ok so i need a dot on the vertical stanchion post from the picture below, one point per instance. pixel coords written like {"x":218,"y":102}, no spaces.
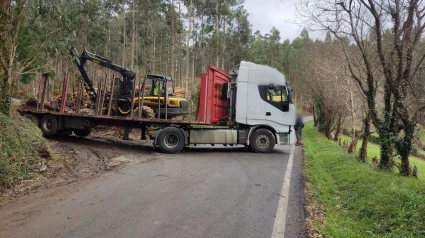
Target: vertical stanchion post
{"x":68,"y":78}
{"x":73,"y":90}
{"x":78,"y":101}
{"x":140,"y":106}
{"x":111,"y":96}
{"x":166,"y":98}
{"x":159,"y":99}
{"x":83,"y":95}
{"x":105,"y":88}
{"x":39,"y":94}
{"x":99,"y":95}
{"x":64,"y":93}
{"x":132,"y":98}
{"x":46,"y":83}
{"x":143,"y":96}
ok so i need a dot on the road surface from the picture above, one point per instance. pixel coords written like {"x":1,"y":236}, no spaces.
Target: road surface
{"x":202,"y":192}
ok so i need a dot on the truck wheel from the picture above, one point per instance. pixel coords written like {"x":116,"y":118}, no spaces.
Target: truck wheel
{"x":82,"y":132}
{"x":262,"y":141}
{"x":49,"y":125}
{"x":171,"y":140}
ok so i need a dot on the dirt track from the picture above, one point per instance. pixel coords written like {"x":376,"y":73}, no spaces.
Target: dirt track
{"x":83,"y":159}
{"x":87,"y":157}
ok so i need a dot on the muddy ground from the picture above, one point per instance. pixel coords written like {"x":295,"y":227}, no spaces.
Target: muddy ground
{"x":75,"y":163}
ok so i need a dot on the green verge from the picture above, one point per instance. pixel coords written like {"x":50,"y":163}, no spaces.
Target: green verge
{"x":374,"y":150}
{"x":21,"y":147}
{"x":356,"y":199}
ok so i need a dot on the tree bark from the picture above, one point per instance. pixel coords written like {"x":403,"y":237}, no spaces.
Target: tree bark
{"x":11,"y":16}
{"x":224,"y":41}
{"x":404,"y":147}
{"x":180,"y":54}
{"x":188,"y":48}
{"x":315,"y":121}
{"x":385,"y":132}
{"x":328,"y":128}
{"x":366,"y":133}
{"x":172,"y":41}
{"x":217,"y":32}
{"x":124,"y":33}
{"x":338,"y":128}
{"x":4,"y":97}
{"x":133,"y":35}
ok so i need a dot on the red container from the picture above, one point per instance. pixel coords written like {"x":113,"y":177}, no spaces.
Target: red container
{"x":213,"y":105}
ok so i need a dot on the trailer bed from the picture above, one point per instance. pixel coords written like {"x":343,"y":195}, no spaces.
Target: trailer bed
{"x":118,"y":121}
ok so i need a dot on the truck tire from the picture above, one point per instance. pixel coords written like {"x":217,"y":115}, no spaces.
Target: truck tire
{"x":171,"y":140}
{"x":49,"y":125}
{"x":82,"y":132}
{"x":262,"y":141}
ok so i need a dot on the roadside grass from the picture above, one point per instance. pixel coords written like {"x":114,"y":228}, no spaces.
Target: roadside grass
{"x":21,"y":148}
{"x":373,"y":150}
{"x":358,"y":200}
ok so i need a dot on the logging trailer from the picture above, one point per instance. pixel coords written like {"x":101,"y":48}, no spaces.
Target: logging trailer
{"x":251,"y":106}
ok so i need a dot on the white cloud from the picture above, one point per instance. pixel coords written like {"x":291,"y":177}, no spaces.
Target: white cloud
{"x":281,"y":14}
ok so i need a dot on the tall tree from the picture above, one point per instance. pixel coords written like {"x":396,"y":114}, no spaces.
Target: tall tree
{"x":385,"y":49}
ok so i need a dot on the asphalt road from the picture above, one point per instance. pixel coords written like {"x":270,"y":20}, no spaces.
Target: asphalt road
{"x":203,"y":192}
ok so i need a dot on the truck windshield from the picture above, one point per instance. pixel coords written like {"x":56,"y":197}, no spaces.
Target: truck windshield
{"x":277,"y":94}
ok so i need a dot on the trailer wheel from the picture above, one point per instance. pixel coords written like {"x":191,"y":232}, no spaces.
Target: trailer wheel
{"x":49,"y":125}
{"x":262,"y":141}
{"x":171,"y":140}
{"x":82,"y":132}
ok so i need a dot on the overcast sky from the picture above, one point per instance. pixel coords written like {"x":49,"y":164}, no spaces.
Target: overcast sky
{"x":264,"y":14}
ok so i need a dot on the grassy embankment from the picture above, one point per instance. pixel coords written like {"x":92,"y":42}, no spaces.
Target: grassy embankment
{"x":349,"y":199}
{"x":373,"y":150}
{"x":22,"y":148}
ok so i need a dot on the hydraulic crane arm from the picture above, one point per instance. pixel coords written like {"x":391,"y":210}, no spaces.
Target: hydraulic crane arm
{"x":81,"y":60}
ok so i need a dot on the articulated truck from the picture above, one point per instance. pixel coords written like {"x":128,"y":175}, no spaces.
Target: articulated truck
{"x":251,"y":106}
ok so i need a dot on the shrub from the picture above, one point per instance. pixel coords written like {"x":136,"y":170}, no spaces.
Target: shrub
{"x":21,"y":147}
{"x":414,"y":151}
{"x":374,"y":139}
{"x":346,"y":131}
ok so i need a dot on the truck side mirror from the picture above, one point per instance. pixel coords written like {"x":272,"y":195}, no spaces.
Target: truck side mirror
{"x":285,"y":106}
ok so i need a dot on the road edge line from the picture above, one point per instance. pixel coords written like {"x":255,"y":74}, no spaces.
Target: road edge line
{"x":282,"y":207}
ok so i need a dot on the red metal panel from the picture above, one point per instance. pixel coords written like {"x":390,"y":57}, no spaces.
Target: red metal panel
{"x":212,"y":105}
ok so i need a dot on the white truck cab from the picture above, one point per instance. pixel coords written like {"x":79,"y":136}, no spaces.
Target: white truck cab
{"x":264,"y":99}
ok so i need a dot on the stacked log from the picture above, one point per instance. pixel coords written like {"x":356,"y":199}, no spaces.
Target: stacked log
{"x":179,"y":92}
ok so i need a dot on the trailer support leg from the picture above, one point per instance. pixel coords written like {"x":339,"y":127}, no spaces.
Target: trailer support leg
{"x":144,"y":129}
{"x":127,"y":131}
